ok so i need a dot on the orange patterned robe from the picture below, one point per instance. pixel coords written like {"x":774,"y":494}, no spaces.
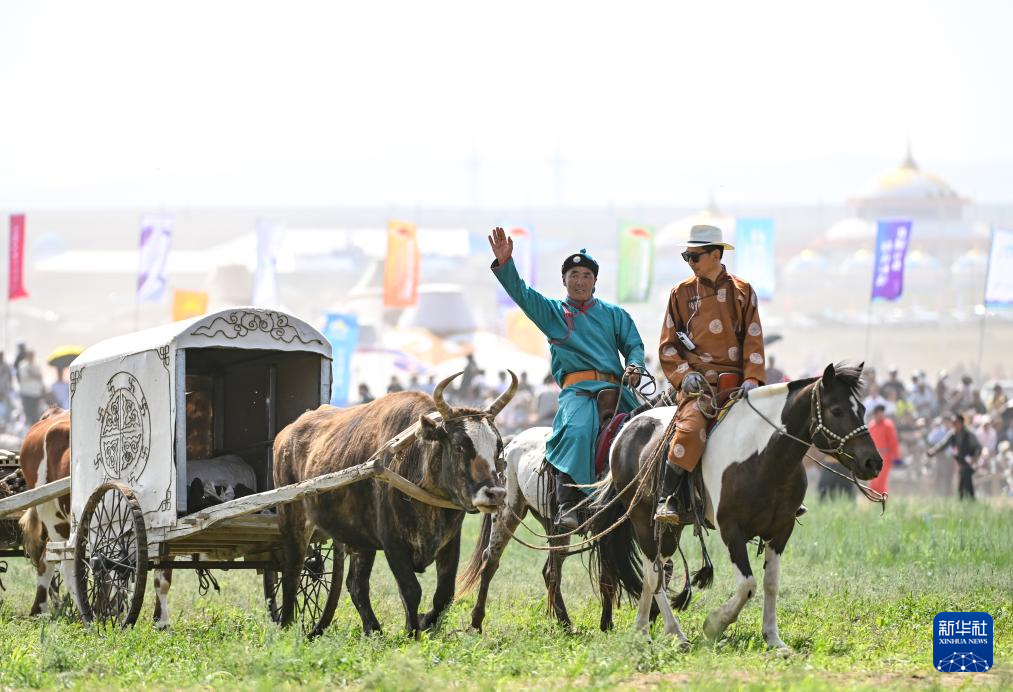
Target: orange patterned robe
{"x":723,"y":321}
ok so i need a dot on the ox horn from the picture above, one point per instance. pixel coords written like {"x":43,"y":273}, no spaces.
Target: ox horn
{"x":441,"y":405}
{"x":505,"y":397}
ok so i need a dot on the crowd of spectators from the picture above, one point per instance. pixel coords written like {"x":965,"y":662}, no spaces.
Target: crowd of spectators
{"x":24,"y":391}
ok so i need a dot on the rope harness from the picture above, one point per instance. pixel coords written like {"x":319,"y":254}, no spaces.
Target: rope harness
{"x":830,"y":436}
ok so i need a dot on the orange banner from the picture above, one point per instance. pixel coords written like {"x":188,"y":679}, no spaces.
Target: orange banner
{"x":401,"y":270}
{"x":188,"y":304}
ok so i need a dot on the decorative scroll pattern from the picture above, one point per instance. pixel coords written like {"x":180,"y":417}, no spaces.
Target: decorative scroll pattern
{"x":241,"y":323}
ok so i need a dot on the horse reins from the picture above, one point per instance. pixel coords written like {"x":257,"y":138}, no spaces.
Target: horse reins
{"x":830,"y":436}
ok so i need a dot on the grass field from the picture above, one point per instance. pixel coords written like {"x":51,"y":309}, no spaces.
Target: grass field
{"x":859,"y":592}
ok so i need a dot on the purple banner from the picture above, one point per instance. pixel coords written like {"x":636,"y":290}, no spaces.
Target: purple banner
{"x":892,"y":239}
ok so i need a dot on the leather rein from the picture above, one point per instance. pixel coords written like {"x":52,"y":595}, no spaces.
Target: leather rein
{"x":817,"y":426}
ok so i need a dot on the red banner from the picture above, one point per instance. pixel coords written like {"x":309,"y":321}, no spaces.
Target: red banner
{"x":16,"y":268}
{"x":401,"y":270}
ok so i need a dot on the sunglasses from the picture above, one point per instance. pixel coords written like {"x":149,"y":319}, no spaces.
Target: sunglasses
{"x":693,"y":257}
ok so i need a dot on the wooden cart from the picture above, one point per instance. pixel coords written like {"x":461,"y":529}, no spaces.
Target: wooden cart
{"x":150,"y":407}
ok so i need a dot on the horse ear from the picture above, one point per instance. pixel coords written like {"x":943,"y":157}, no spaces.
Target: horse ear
{"x":828,"y":375}
{"x":861,"y":367}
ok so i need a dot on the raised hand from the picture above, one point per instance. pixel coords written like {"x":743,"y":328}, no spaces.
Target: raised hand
{"x":502,"y":246}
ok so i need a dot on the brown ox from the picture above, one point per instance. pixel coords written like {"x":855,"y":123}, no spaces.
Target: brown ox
{"x":456,"y":459}
{"x":45,"y":457}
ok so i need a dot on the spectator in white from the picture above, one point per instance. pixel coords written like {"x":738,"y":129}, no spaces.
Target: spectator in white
{"x":942,"y":392}
{"x":774,"y":374}
{"x":413,"y":383}
{"x":874,"y":399}
{"x":60,"y":391}
{"x":922,"y":397}
{"x":987,"y":435}
{"x":33,"y":389}
{"x":966,"y":398}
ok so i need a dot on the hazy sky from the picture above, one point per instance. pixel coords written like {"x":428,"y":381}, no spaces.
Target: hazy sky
{"x":223,"y":103}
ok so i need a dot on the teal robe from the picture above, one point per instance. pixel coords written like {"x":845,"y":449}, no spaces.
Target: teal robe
{"x":581,"y":337}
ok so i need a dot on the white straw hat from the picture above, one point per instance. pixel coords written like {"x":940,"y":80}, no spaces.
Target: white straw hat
{"x":701,"y":235}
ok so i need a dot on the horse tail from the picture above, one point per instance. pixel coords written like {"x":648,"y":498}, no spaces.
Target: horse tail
{"x":615,"y":557}
{"x":466,"y":582}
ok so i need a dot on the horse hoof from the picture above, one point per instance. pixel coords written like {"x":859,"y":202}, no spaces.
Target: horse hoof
{"x":712,"y":628}
{"x":683,"y":646}
{"x":162,"y":626}
{"x":781,"y":649}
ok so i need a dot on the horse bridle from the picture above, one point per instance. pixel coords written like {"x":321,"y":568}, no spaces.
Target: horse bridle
{"x":829,"y":435}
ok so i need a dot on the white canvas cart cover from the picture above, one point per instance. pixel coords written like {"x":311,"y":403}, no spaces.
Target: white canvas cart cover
{"x":128,"y":400}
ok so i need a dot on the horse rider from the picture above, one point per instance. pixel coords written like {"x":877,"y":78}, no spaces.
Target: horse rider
{"x":585,"y":337}
{"x":711,"y":343}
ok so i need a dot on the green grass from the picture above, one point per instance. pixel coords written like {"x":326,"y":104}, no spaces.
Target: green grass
{"x":859,"y":592}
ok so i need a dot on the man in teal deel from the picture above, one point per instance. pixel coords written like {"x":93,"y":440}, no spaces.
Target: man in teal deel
{"x":585,"y":336}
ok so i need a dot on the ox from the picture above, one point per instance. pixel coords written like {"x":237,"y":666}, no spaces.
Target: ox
{"x":456,"y":459}
{"x":45,"y":457}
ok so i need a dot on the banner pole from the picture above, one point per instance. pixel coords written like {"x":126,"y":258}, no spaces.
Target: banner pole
{"x":868,"y":330}
{"x":981,"y":342}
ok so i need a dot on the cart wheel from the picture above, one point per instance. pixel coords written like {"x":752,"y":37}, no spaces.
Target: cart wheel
{"x":319,"y":588}
{"x":111,"y":556}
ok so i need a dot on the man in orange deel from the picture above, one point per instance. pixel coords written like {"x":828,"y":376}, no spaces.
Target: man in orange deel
{"x":711,"y":341}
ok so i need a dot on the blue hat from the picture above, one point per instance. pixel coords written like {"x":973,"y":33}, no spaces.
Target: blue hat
{"x":581,"y":259}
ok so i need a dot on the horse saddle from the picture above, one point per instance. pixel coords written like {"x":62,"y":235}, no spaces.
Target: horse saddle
{"x":609,"y":425}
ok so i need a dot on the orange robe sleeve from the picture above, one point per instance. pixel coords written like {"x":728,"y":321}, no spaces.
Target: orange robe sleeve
{"x":753,"y":358}
{"x":673,"y":364}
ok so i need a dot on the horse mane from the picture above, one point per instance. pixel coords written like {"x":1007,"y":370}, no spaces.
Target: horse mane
{"x":851,"y":375}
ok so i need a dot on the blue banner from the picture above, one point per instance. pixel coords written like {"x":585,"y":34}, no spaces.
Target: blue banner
{"x":892,"y":238}
{"x":999,"y":279}
{"x":342,"y":330}
{"x":754,"y":254}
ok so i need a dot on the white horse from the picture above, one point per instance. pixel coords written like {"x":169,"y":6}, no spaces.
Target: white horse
{"x":529,"y":485}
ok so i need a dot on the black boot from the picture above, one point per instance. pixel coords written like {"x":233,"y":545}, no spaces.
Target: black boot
{"x":675,"y":495}
{"x":568,"y":497}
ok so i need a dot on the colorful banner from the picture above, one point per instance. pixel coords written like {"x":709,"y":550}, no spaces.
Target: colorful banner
{"x":892,"y":238}
{"x":186,"y":304}
{"x":754,"y":253}
{"x":156,"y":241}
{"x":16,"y":258}
{"x":342,"y":330}
{"x":636,"y":263}
{"x":265,"y":278}
{"x":999,"y":279}
{"x":524,"y":259}
{"x":401,"y":270}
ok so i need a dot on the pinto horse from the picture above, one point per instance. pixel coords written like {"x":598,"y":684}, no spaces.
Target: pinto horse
{"x":754,"y":482}
{"x":528,"y":486}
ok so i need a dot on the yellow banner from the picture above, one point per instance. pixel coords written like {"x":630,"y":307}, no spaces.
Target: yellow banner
{"x":401,"y":270}
{"x":188,"y":304}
